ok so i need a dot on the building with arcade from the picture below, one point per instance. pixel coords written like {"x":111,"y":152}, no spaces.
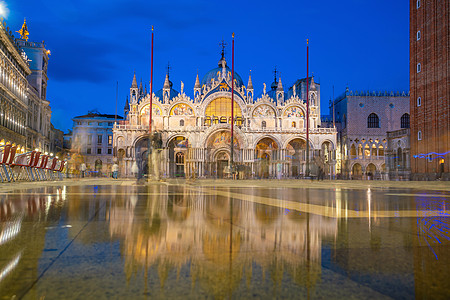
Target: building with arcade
{"x":269,"y":128}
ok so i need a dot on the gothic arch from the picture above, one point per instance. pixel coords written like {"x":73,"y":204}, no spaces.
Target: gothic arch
{"x":270,"y":105}
{"x":299,"y":106}
{"x":242,"y":138}
{"x":173,"y":106}
{"x":210,"y":98}
{"x":260,"y":138}
{"x":287,"y":141}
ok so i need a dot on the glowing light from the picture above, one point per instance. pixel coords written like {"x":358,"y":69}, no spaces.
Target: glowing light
{"x":10,"y":266}
{"x":10,"y":230}
{"x":4,"y":11}
{"x":438,"y":155}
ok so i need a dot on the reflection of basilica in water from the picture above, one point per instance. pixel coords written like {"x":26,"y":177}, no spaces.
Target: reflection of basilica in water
{"x":270,"y":128}
{"x":166,"y":241}
{"x":221,"y":239}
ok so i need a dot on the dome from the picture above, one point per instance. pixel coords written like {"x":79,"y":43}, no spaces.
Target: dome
{"x":216,"y":75}
{"x":172,"y":94}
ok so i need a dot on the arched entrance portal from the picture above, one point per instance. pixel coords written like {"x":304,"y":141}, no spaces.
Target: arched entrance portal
{"x":177,"y":148}
{"x":141,"y":154}
{"x":295,"y":153}
{"x":218,"y":147}
{"x":266,"y":153}
{"x":356,"y":171}
{"x":222,"y":160}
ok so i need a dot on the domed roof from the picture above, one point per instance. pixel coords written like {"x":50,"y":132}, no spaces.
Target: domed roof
{"x":216,"y":74}
{"x":172,"y":94}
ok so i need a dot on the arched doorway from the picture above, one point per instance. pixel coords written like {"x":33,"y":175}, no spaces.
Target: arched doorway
{"x":222,"y":160}
{"x":370,"y":171}
{"x":141,"y":154}
{"x":295,"y":153}
{"x":218,"y":147}
{"x":356,"y":171}
{"x":266,"y":152}
{"x":177,"y":148}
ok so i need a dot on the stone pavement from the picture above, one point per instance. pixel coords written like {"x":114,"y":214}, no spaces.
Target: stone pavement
{"x":288,"y":183}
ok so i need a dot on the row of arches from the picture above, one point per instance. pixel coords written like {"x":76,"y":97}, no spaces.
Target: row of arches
{"x":221,"y":107}
{"x":266,"y":158}
{"x":369,"y":171}
{"x":367,"y":151}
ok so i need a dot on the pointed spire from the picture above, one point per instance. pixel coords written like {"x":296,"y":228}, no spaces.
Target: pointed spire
{"x":127,"y":105}
{"x":145,"y":91}
{"x":280,"y":85}
{"x":197,"y":82}
{"x":140,"y":87}
{"x":167,"y":82}
{"x":134,"y":83}
{"x":250,"y":84}
{"x":313,"y":84}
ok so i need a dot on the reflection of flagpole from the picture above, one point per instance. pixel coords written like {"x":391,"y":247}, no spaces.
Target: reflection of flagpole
{"x":307,"y":107}
{"x":232,"y":107}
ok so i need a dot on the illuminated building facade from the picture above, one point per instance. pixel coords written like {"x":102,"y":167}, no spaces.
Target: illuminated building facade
{"x":363,"y":120}
{"x":92,"y":139}
{"x":430,"y":89}
{"x":269,"y":131}
{"x":25,"y":113}
{"x":14,"y":70}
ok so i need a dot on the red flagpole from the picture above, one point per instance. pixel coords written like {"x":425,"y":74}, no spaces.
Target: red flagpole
{"x":151,"y":90}
{"x":307,"y":107}
{"x":232,"y":105}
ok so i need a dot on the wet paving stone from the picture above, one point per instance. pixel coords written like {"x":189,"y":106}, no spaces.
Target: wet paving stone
{"x":172,"y":240}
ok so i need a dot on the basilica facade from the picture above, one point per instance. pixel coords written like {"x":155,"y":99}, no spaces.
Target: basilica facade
{"x":269,"y":129}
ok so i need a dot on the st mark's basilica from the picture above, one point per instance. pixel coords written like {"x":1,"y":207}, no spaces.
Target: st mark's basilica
{"x":269,"y":132}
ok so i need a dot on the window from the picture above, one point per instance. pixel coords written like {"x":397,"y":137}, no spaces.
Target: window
{"x":89,"y":123}
{"x":109,"y":151}
{"x":263,"y":124}
{"x":89,"y":141}
{"x":294,"y":125}
{"x":418,"y":3}
{"x":181,"y":123}
{"x":99,"y":139}
{"x":419,"y":101}
{"x":419,"y":68}
{"x":99,"y":151}
{"x":418,"y":35}
{"x":419,"y":135}
{"x":404,"y":121}
{"x":373,"y":121}
{"x":88,"y":151}
{"x":110,"y":123}
{"x":100,"y":124}
{"x":110,"y":140}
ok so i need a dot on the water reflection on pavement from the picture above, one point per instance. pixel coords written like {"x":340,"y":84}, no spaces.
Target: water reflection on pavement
{"x":183,"y":241}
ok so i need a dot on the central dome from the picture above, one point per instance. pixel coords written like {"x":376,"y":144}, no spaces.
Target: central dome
{"x":216,"y":74}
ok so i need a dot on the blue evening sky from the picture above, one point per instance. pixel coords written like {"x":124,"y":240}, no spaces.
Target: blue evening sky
{"x":360,"y":43}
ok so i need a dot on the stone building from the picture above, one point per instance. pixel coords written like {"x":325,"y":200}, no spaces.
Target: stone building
{"x":25,"y":113}
{"x":398,"y":155}
{"x":430,"y":89}
{"x":269,"y":128}
{"x":14,"y":70}
{"x":363,"y":120}
{"x":92,"y":140}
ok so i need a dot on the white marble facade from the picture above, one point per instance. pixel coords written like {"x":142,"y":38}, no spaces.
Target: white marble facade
{"x":269,"y":131}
